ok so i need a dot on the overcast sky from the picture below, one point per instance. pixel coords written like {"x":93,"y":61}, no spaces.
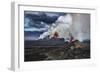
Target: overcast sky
{"x":35,"y":23}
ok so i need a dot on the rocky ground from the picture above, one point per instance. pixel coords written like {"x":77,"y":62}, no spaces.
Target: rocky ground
{"x":73,"y":50}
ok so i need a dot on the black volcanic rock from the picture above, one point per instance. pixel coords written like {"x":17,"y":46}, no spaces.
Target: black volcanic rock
{"x":59,"y":53}
{"x":44,"y":42}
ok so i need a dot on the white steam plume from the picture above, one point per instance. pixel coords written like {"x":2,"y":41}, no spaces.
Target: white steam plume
{"x":76,"y":25}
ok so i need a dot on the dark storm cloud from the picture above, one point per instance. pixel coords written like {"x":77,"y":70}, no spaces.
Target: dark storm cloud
{"x":36,"y":22}
{"x":47,"y":17}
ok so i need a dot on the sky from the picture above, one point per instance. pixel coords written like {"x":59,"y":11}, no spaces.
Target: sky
{"x":36,"y":23}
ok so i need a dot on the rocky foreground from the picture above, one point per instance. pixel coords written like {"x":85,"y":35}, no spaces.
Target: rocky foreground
{"x":73,"y":50}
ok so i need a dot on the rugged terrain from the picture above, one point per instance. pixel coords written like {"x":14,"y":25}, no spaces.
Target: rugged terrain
{"x":72,"y":50}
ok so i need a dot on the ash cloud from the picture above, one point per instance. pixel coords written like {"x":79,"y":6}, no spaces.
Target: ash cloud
{"x":41,"y":24}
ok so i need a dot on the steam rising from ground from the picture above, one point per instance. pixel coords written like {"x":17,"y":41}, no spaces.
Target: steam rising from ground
{"x":61,"y":26}
{"x":40,"y":25}
{"x":76,"y":25}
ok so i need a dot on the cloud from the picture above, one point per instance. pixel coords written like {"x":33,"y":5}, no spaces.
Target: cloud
{"x":61,"y":26}
{"x":49,"y":22}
